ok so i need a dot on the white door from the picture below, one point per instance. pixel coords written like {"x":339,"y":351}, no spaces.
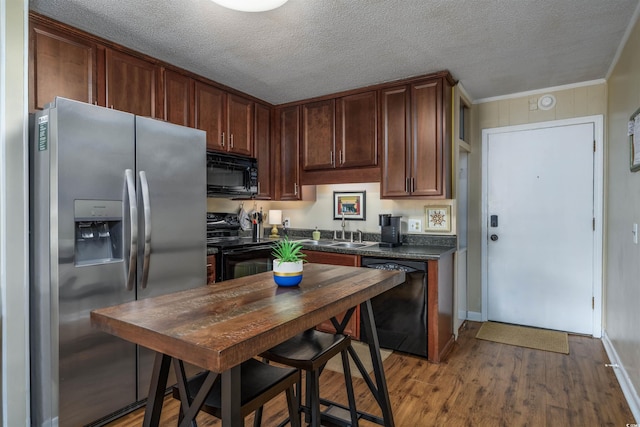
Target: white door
{"x":540,"y":212}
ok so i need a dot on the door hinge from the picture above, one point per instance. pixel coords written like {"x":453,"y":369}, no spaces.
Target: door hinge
{"x":593,"y":224}
{"x":593,"y":303}
{"x":594,"y":145}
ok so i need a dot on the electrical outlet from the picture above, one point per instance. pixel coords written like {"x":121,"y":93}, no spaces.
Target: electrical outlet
{"x":415,"y":225}
{"x":287,"y":222}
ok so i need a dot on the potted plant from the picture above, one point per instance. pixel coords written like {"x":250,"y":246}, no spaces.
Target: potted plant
{"x":287,"y":265}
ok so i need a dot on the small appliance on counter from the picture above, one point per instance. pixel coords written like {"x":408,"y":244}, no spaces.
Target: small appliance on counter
{"x":390,"y":235}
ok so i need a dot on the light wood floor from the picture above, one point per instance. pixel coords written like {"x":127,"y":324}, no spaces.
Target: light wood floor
{"x":480,"y":384}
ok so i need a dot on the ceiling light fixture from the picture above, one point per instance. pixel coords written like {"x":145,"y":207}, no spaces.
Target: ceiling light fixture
{"x":251,"y":5}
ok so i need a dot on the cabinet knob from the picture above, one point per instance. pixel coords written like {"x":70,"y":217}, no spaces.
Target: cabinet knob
{"x":231,"y":140}
{"x":222,"y":143}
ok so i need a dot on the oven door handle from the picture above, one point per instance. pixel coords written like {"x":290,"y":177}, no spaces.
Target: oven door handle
{"x":245,"y":250}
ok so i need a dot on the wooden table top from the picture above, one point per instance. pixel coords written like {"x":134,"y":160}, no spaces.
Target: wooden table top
{"x":217,"y":327}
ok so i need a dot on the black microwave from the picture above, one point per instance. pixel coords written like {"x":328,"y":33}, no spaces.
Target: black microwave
{"x":229,"y":175}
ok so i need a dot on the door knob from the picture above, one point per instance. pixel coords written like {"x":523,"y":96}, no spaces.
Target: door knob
{"x":494,"y":237}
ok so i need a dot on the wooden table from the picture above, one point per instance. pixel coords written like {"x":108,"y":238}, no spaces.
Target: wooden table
{"x":218,"y":327}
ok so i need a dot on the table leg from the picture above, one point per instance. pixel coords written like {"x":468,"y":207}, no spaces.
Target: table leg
{"x":231,"y":415}
{"x":374,"y":347}
{"x":156,"y":390}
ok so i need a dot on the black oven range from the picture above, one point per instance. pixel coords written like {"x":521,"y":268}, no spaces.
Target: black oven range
{"x":237,"y":256}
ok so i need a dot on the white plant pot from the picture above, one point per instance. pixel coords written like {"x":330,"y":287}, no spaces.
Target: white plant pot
{"x":287,"y":273}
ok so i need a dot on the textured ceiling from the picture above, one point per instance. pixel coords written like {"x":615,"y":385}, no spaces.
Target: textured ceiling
{"x":310,"y":48}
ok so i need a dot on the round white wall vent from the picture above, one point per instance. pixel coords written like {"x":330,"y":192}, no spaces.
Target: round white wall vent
{"x":546,"y":102}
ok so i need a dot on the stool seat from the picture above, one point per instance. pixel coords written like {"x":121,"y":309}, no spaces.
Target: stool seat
{"x":259,"y":383}
{"x":308,"y":350}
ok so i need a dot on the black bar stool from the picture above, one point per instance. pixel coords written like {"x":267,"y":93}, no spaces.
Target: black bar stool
{"x":260,"y":382}
{"x":310,"y":351}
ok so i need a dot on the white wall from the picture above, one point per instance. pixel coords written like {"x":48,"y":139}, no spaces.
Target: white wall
{"x":319,"y":213}
{"x":622,"y":256}
{"x":13,"y":212}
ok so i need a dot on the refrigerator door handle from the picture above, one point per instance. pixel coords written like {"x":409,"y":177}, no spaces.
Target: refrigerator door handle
{"x":146,"y":205}
{"x":130,"y":270}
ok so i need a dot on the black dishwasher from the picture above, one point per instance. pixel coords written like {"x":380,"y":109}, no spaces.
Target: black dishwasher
{"x":401,"y":313}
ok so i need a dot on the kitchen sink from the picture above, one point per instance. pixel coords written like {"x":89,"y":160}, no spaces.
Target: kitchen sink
{"x":337,"y":244}
{"x":316,"y":242}
{"x":349,"y":245}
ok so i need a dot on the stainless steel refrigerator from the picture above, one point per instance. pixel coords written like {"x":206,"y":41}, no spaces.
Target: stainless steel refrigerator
{"x":118,"y":213}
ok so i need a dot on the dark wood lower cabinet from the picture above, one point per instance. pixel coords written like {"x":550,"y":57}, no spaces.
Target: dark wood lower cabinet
{"x":211,"y":269}
{"x":353,"y":327}
{"x":440,"y":337}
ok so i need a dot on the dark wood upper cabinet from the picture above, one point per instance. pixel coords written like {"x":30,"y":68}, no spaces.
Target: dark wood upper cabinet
{"x":395,"y":135}
{"x":177,"y":93}
{"x":328,"y":140}
{"x":209,"y":102}
{"x":415,"y":138}
{"x":131,"y":83}
{"x":60,"y":64}
{"x":240,"y":125}
{"x":427,"y":145}
{"x":227,"y":119}
{"x":288,"y":158}
{"x":262,"y":149}
{"x":340,"y":133}
{"x":357,"y":130}
{"x":318,"y":135}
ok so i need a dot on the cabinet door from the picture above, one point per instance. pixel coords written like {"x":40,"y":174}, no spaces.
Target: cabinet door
{"x":289,"y":175}
{"x":177,"y":98}
{"x":262,"y":149}
{"x":353,"y":327}
{"x":318,"y":133}
{"x":427,"y":140}
{"x":357,"y":130}
{"x":209,"y":104}
{"x":60,"y":65}
{"x":131,"y":84}
{"x":394,"y":116}
{"x":240,"y":125}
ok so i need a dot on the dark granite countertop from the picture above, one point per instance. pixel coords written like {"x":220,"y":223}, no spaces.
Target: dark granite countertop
{"x":415,"y":247}
{"x":415,"y":252}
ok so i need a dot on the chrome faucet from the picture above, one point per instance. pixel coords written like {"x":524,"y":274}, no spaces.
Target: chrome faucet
{"x":359,"y":235}
{"x":343,"y":225}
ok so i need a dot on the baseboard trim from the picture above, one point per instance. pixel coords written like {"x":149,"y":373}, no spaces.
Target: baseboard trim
{"x":626,"y":385}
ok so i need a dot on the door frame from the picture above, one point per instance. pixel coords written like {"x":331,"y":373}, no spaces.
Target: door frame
{"x":598,"y":177}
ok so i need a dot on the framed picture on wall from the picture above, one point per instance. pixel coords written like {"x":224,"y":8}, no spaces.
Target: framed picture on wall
{"x":634,"y":141}
{"x":438,"y":218}
{"x":350,"y":204}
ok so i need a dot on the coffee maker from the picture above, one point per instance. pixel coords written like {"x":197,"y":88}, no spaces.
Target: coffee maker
{"x":390,"y":235}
